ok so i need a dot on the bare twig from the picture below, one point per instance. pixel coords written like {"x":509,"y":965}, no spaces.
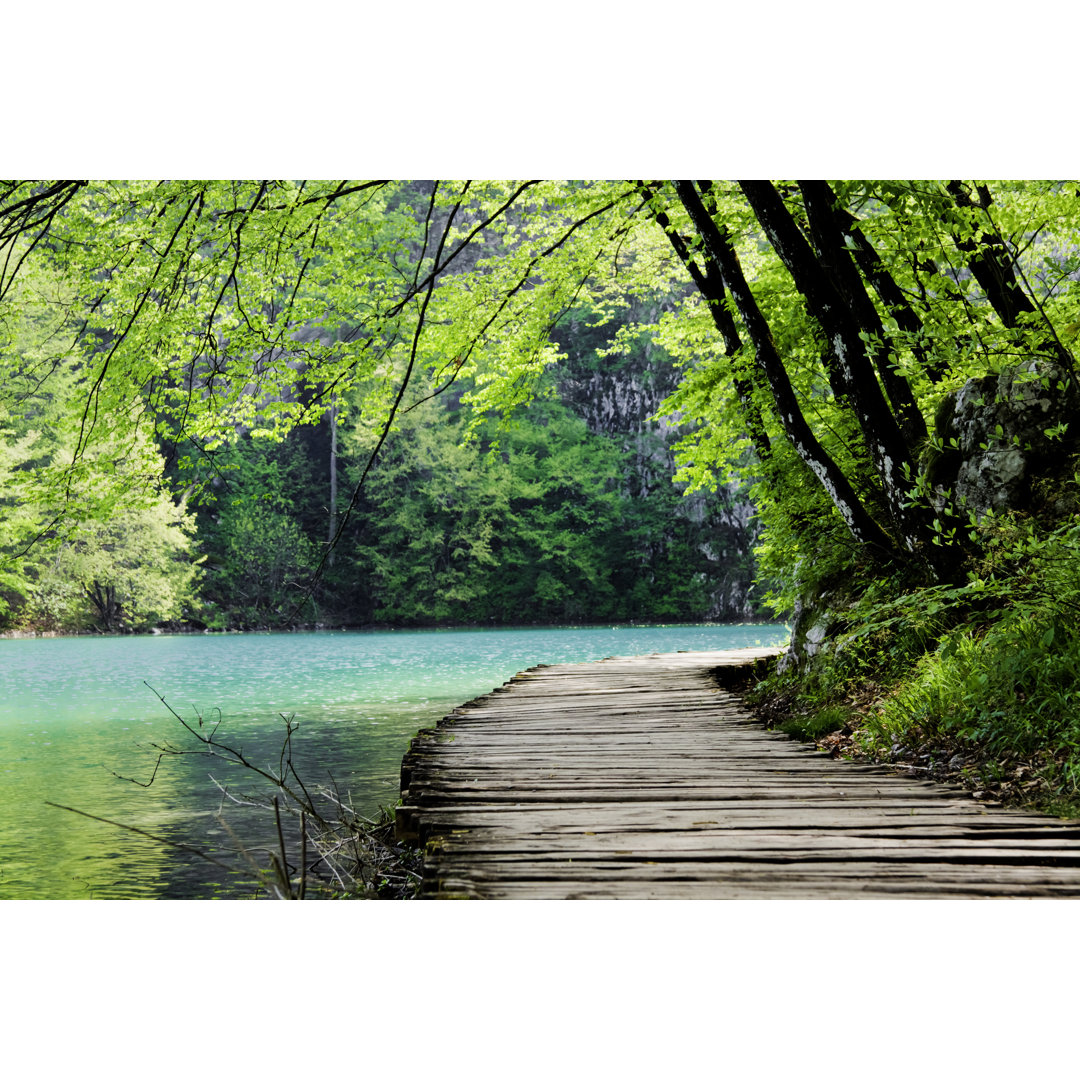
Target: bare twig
{"x":143,"y":832}
{"x":303,"y":855}
{"x":284,"y":864}
{"x":352,"y":854}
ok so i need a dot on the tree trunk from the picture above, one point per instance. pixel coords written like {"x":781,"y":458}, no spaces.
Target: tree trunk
{"x":711,"y":286}
{"x":110,"y":611}
{"x":993,"y":267}
{"x":889,"y":292}
{"x":990,"y":262}
{"x":718,"y":249}
{"x":332,"y":527}
{"x":851,"y":373}
{"x":819,"y":201}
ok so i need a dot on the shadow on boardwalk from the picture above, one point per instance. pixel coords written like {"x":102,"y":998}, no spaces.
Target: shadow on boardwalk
{"x":641,"y":778}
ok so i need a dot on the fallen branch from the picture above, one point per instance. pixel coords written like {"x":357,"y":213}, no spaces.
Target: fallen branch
{"x":143,"y":832}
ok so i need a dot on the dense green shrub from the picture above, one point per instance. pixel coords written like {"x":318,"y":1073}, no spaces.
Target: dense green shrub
{"x":987,"y":669}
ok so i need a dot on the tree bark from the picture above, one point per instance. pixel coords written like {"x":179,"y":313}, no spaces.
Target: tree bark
{"x":718,"y":250}
{"x":990,"y":262}
{"x":820,"y":201}
{"x":888,"y":291}
{"x":851,"y":372}
{"x":993,"y":267}
{"x":711,"y":286}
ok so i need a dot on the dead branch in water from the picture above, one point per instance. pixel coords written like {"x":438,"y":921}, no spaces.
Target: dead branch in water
{"x":336,"y":852}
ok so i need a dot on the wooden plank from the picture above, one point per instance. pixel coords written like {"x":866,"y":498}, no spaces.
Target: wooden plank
{"x":640,"y":777}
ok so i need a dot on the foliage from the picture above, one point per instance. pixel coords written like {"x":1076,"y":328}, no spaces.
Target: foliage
{"x":534,"y":520}
{"x":108,"y":549}
{"x":1010,"y":689}
{"x":1004,"y":669}
{"x":251,"y":531}
{"x":984,"y":674}
{"x":133,"y":571}
{"x":456,"y":533}
{"x":841,"y":314}
{"x":265,"y":560}
{"x":813,"y":726}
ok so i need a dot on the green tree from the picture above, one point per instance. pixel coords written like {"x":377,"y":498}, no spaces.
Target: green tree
{"x":132,"y":571}
{"x":511,"y":530}
{"x":109,"y":549}
{"x":261,"y":515}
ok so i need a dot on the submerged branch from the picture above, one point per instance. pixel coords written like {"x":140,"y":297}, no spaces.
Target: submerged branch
{"x":142,"y":832}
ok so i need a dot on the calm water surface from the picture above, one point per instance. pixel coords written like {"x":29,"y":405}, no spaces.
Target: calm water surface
{"x":76,"y":711}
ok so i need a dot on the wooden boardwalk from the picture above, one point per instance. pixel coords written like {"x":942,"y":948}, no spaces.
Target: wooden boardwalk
{"x":640,"y":778}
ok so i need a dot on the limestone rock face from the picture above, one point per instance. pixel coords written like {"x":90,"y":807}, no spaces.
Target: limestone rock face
{"x":813,"y":624}
{"x":999,"y":423}
{"x":622,"y":399}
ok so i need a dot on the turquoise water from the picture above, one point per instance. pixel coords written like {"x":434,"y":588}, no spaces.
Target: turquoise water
{"x":76,"y":711}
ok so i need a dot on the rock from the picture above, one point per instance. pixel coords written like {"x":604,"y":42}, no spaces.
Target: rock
{"x":622,"y":400}
{"x":814,"y":625}
{"x":999,"y":425}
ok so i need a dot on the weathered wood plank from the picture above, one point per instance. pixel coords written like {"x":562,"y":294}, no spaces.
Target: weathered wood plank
{"x":640,"y":777}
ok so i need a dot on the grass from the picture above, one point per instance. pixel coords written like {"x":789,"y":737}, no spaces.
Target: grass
{"x":1005,"y":698}
{"x":815,"y":725}
{"x":991,"y":700}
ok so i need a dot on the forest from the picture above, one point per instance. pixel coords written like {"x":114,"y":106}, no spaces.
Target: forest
{"x":851,"y":403}
{"x":564,"y":512}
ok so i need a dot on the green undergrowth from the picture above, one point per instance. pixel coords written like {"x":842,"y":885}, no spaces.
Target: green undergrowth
{"x":976,"y":683}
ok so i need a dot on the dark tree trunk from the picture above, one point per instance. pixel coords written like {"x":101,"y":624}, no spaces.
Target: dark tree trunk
{"x":711,"y":286}
{"x":993,"y":267}
{"x":990,"y":262}
{"x":718,"y":250}
{"x":110,"y":610}
{"x":836,"y":258}
{"x":851,"y":373}
{"x":889,"y":292}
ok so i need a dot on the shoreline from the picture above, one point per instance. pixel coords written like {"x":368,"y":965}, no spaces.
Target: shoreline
{"x":378,"y":628}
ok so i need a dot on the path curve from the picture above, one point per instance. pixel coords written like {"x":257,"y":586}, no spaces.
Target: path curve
{"x":639,"y":778}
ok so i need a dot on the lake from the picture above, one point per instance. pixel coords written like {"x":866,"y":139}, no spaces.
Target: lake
{"x":76,"y":711}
